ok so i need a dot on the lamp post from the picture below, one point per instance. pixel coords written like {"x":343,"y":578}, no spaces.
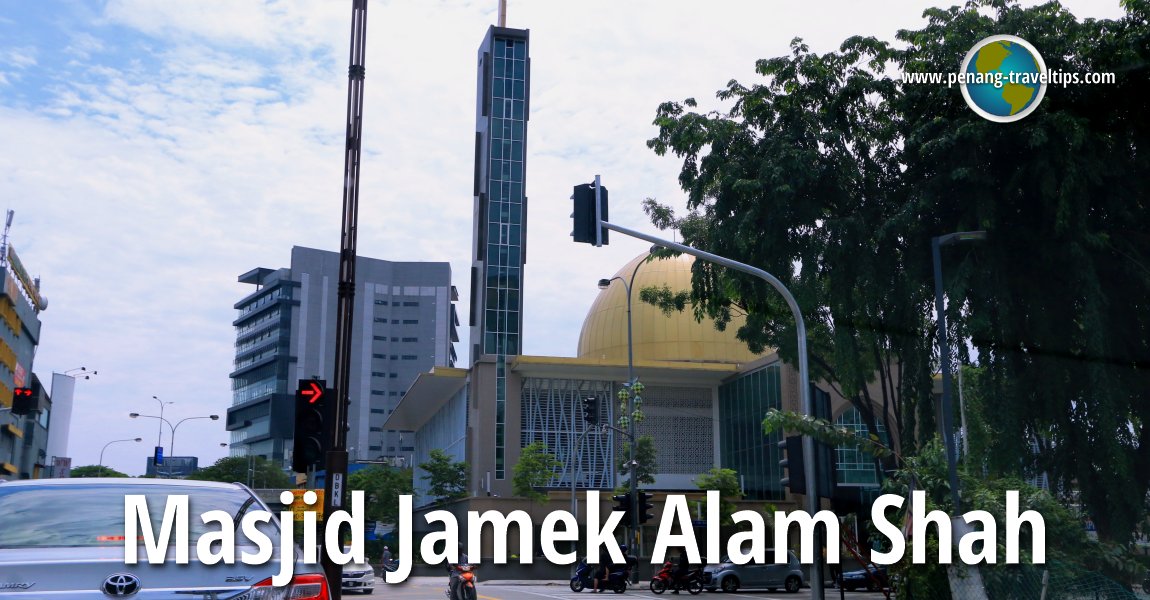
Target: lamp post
{"x":172,"y":428}
{"x":109,"y":444}
{"x":936,"y":243}
{"x":160,"y":434}
{"x":627,"y":285}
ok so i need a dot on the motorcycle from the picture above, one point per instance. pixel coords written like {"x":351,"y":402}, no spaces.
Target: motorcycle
{"x":465,"y":589}
{"x":585,"y":575}
{"x":664,"y":580}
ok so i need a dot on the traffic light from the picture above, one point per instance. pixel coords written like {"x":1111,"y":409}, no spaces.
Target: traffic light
{"x":623,"y":504}
{"x":23,"y":402}
{"x":313,"y":408}
{"x":586,"y":222}
{"x":591,"y":410}
{"x":645,"y":507}
{"x":791,"y":465}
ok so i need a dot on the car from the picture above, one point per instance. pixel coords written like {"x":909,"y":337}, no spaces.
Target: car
{"x":358,"y":577}
{"x":729,"y":577}
{"x":853,"y":580}
{"x":64,"y":538}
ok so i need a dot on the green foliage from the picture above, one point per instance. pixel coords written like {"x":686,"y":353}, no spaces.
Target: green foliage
{"x":834,"y":176}
{"x":447,"y":479}
{"x":823,"y":431}
{"x":96,"y":471}
{"x":382,"y":487}
{"x":644,"y":456}
{"x":534,"y":470}
{"x":258,"y":472}
{"x":726,"y":482}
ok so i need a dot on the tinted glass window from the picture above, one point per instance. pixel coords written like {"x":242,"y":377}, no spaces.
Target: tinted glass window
{"x":93,"y":515}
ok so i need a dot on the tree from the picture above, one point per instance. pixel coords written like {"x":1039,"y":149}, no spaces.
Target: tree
{"x":644,"y":456}
{"x":534,"y":470}
{"x":447,"y":479}
{"x":726,"y":482}
{"x":96,"y":471}
{"x":259,"y":472}
{"x":834,"y":175}
{"x":382,"y":486}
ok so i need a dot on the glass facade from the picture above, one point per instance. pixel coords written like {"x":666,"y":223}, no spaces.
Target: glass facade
{"x":743,"y":447}
{"x":501,"y":209}
{"x":853,"y":466}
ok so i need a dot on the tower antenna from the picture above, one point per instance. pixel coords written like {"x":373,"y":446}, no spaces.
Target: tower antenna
{"x":4,"y":238}
{"x":503,"y":13}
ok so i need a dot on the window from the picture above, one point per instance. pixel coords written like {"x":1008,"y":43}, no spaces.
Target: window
{"x":378,"y":411}
{"x":380,"y":319}
{"x":384,"y":356}
{"x":375,"y":429}
{"x":378,"y":393}
{"x":381,"y":302}
{"x":375,"y":448}
{"x":409,"y":339}
{"x":409,"y":321}
{"x":378,"y":374}
{"x":411,"y":303}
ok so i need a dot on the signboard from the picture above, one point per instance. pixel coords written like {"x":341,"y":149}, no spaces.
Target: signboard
{"x":61,"y":467}
{"x":298,"y":507}
{"x":28,"y":283}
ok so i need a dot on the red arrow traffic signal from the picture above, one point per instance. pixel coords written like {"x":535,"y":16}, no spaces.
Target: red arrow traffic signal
{"x":314,"y":394}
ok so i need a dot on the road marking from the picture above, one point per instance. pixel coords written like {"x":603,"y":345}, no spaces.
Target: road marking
{"x":564,"y":597}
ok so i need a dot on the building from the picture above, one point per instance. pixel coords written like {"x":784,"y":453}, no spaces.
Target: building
{"x":704,"y":399}
{"x":500,"y":208}
{"x":404,"y":324}
{"x":23,"y":437}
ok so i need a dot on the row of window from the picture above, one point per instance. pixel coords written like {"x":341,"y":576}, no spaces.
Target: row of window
{"x":397,"y":321}
{"x":383,"y":338}
{"x":404,"y":303}
{"x":395,"y":356}
{"x":383,"y":393}
{"x":382,"y":374}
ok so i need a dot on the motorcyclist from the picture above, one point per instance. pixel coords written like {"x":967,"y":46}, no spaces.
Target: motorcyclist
{"x":680,"y":572}
{"x":602,"y":571}
{"x":386,"y":561}
{"x":453,"y":574}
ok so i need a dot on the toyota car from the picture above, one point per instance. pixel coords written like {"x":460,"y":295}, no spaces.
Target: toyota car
{"x":64,"y":538}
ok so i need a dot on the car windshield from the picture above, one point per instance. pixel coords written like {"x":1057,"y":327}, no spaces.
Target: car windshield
{"x":93,"y":514}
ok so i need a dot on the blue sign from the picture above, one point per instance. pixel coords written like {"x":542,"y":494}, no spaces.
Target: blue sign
{"x":159,"y":459}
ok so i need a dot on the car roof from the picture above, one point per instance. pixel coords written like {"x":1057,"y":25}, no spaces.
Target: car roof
{"x":130,"y":482}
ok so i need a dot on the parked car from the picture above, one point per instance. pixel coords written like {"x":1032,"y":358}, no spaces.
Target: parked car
{"x":358,"y":577}
{"x":729,"y":577}
{"x":877,"y":578}
{"x":64,"y":538}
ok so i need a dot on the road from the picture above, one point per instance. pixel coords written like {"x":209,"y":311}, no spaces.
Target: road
{"x":431,"y":588}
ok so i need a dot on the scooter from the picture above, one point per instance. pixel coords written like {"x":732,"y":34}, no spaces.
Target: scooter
{"x":465,"y":590}
{"x":664,"y":580}
{"x":584,"y":578}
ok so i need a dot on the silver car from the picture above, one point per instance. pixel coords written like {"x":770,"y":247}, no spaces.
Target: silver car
{"x":729,"y":577}
{"x":64,"y":538}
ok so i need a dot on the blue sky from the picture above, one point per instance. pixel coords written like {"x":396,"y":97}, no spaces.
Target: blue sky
{"x":155,"y":150}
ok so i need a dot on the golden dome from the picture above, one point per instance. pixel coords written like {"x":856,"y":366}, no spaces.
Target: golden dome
{"x":656,"y":336}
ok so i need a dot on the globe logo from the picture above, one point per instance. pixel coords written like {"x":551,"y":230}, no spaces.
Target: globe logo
{"x":1003,"y":78}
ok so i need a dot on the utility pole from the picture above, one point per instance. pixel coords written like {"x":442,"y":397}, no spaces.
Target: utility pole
{"x":335,"y":482}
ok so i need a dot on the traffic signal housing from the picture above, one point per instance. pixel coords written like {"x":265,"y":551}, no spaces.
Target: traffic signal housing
{"x":645,"y":507}
{"x":591,"y":410}
{"x":622,"y":503}
{"x":314,"y":405}
{"x":23,"y":402}
{"x":586,"y":222}
{"x":793,"y":477}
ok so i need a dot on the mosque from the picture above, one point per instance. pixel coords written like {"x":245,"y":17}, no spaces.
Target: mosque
{"x":704,"y":398}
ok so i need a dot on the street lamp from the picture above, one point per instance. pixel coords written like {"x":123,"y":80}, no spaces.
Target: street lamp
{"x":109,"y":444}
{"x":627,"y":285}
{"x":160,"y":434}
{"x":172,"y":448}
{"x":944,"y":354}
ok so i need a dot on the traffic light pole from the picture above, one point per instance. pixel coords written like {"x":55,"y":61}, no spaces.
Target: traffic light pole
{"x":812,"y":499}
{"x":335,"y":481}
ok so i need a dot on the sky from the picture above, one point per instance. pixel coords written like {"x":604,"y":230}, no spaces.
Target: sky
{"x":154,"y":150}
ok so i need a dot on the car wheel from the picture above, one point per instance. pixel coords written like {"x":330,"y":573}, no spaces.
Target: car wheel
{"x":577,"y":585}
{"x":871,"y":586}
{"x":793,"y":584}
{"x":849,"y":588}
{"x":658,"y":586}
{"x":730,"y":584}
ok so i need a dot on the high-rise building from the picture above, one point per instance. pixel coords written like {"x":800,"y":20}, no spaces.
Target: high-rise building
{"x":404,"y":324}
{"x":500,"y":205}
{"x":21,"y":446}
